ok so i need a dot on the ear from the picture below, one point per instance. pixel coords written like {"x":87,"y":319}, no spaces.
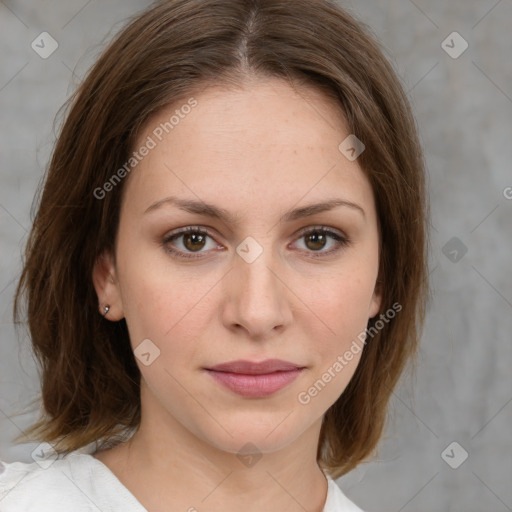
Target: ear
{"x":376,"y":301}
{"x":107,"y":287}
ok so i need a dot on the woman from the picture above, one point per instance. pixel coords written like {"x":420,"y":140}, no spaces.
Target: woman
{"x":227,"y":272}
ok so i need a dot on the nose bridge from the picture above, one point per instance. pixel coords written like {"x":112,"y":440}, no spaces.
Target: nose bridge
{"x":259,"y":295}
{"x":255,"y":267}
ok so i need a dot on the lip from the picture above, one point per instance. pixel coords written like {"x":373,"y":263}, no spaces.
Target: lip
{"x":255,"y":379}
{"x":255,"y":368}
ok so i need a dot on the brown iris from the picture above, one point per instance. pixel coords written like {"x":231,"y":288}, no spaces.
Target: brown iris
{"x":194,"y":241}
{"x":317,"y":241}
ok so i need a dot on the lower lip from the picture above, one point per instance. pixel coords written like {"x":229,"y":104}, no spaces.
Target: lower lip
{"x":255,"y":386}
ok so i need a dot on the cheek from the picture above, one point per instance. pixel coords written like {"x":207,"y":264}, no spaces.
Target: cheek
{"x":341,"y":303}
{"x":166,"y":306}
{"x":336,"y":349}
{"x":337,"y":329}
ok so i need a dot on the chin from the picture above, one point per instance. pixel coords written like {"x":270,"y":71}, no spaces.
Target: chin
{"x":254,"y":433}
{"x":252,"y":441}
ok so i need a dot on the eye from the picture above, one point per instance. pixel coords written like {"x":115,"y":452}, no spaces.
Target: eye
{"x":194,"y":240}
{"x":317,"y":238}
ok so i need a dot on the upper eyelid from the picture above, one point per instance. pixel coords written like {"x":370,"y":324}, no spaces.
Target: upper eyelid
{"x":209,"y":230}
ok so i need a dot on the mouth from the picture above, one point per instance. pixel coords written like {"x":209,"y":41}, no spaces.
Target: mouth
{"x":255,"y":379}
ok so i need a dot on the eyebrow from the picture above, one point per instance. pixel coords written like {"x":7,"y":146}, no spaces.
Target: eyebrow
{"x":210,"y":210}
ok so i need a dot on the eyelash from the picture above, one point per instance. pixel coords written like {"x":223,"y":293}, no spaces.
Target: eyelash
{"x":342,"y":241}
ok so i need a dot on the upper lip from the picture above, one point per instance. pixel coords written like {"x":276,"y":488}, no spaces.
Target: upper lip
{"x":255,"y":368}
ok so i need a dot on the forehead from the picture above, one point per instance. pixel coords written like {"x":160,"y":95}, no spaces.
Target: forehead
{"x":252,"y":147}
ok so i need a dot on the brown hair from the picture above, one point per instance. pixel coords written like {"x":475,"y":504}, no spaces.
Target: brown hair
{"x":90,"y":380}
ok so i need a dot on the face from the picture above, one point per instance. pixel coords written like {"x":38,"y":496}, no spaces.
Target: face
{"x":256,"y":276}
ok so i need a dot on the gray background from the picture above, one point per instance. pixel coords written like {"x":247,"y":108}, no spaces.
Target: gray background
{"x":462,"y":386}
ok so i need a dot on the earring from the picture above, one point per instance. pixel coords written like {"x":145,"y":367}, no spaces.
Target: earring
{"x":105,"y":310}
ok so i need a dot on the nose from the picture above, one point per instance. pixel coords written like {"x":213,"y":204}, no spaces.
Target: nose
{"x":257,"y":297}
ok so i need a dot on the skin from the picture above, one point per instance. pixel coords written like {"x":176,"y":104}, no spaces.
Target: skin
{"x":258,"y":151}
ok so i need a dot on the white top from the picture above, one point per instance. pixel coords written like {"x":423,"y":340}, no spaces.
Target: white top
{"x":79,"y":482}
